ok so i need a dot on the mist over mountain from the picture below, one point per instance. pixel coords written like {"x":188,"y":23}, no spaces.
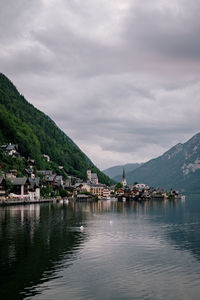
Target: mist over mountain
{"x":116,"y":171}
{"x":178,"y":168}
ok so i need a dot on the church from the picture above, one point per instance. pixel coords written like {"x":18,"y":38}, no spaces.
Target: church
{"x":124,"y":178}
{"x":92,"y":177}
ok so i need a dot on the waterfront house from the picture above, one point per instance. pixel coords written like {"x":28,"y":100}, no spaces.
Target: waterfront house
{"x":3,"y":186}
{"x":97,"y":189}
{"x":83,"y":197}
{"x":20,"y":186}
{"x":106,"y":193}
{"x":120,"y":191}
{"x":127,"y":192}
{"x":34,"y":188}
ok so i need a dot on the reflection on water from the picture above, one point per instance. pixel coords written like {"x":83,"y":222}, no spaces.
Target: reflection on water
{"x":148,"y":250}
{"x":34,"y":241}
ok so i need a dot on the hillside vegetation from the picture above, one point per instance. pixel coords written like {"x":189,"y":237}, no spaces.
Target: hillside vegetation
{"x":36,"y":134}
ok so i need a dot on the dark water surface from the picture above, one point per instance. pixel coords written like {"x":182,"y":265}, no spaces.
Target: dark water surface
{"x":125,"y":251}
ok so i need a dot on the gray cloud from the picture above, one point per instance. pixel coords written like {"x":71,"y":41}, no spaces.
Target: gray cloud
{"x":121,"y":78}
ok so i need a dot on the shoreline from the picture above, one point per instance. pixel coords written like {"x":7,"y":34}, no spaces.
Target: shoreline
{"x":9,"y":202}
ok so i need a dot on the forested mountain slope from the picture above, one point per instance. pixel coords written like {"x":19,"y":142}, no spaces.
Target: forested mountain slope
{"x":36,"y":134}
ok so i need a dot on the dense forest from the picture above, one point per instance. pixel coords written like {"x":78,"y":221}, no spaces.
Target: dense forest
{"x":36,"y":134}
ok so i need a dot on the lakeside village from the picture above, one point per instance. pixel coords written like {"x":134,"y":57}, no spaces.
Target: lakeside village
{"x":47,"y":186}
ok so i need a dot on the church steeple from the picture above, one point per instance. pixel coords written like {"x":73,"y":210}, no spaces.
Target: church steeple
{"x":124,"y":178}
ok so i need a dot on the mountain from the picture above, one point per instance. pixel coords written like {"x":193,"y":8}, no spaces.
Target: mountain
{"x":36,"y":134}
{"x":117,"y":170}
{"x":178,"y":168}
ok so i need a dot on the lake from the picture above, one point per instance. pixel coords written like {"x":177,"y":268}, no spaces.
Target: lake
{"x":147,"y":250}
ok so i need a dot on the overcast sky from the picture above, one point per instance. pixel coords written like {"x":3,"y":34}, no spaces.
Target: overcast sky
{"x":120,"y":77}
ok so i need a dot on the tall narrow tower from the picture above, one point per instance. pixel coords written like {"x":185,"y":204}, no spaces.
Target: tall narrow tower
{"x":89,"y":174}
{"x":124,"y":178}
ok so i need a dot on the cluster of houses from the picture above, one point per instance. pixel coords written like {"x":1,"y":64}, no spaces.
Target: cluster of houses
{"x":19,"y":188}
{"x":11,"y":149}
{"x":29,"y":187}
{"x":142,"y":192}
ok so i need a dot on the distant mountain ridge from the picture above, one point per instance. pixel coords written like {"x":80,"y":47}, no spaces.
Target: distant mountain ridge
{"x":179,"y":168}
{"x":114,"y":171}
{"x":36,"y":134}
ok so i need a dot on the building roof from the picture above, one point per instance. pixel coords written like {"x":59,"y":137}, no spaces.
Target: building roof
{"x":50,"y":177}
{"x":28,"y":171}
{"x":9,"y":147}
{"x":77,"y":185}
{"x":19,"y":180}
{"x":94,"y":176}
{"x":58,"y":181}
{"x":34,"y":182}
{"x":97,"y":185}
{"x":45,"y":172}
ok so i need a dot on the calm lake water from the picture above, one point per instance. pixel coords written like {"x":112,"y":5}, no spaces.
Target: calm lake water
{"x":125,"y":251}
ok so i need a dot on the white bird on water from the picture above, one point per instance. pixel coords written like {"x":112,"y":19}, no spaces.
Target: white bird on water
{"x":81,"y":228}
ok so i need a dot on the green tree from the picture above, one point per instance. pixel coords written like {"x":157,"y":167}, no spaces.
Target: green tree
{"x":118,"y":185}
{"x":47,"y":192}
{"x":63,"y":193}
{"x":9,"y":186}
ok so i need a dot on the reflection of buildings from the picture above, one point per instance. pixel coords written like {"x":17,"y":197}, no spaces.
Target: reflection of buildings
{"x":34,"y":243}
{"x":29,"y":212}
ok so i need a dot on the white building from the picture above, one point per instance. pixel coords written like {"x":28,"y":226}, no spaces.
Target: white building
{"x":141,"y":186}
{"x":106,"y":193}
{"x":46,"y":157}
